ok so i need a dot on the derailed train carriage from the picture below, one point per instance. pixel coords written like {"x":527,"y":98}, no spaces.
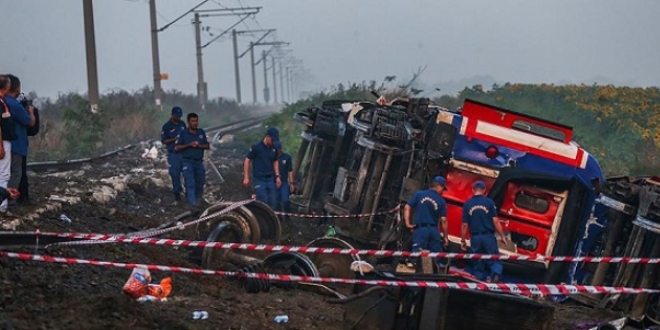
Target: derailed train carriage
{"x":360,"y":157}
{"x":365,"y":158}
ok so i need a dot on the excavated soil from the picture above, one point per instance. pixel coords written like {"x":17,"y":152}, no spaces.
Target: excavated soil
{"x":127,"y":193}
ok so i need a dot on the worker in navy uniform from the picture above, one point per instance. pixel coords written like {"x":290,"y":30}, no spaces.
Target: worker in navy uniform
{"x":480,"y":218}
{"x":430,"y":208}
{"x":168,"y":134}
{"x":265,"y":168}
{"x":191,"y":143}
{"x":286,"y":173}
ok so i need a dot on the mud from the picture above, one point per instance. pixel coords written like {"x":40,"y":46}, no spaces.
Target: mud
{"x":127,"y":193}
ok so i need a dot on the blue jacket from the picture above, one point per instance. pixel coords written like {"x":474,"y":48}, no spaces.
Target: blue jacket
{"x":285,"y":167}
{"x":478,"y":213}
{"x":185,"y":137}
{"x":21,"y":121}
{"x":262,"y":157}
{"x":429,"y":207}
{"x":171,"y":131}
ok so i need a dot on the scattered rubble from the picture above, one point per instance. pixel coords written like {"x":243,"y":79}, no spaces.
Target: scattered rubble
{"x":129,"y":193}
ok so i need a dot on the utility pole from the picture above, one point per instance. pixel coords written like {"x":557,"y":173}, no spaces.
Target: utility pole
{"x":282,"y":82}
{"x":252,"y":64}
{"x":243,"y":11}
{"x":237,"y":74}
{"x":288,"y":84}
{"x":263,"y":58}
{"x":266,"y":91}
{"x":293,"y":86}
{"x":155,"y":57}
{"x":254,"y":78}
{"x":201,"y":85}
{"x":90,"y":50}
{"x":274,"y":81}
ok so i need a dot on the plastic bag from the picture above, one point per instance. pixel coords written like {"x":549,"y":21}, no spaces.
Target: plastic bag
{"x":162,"y":290}
{"x":137,"y":284}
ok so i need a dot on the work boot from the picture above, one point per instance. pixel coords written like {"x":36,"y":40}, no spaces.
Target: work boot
{"x":177,"y":197}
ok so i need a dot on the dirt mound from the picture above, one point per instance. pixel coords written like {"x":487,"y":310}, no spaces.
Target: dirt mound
{"x":55,"y":296}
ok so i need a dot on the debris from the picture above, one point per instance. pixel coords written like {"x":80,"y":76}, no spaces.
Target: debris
{"x":64,"y":218}
{"x":200,"y":315}
{"x":162,"y":290}
{"x":612,"y":325}
{"x":331,"y":232}
{"x":137,"y":284}
{"x":281,"y":319}
{"x":150,"y":153}
{"x":361,"y":266}
{"x":104,"y":194}
{"x":147,"y":298}
{"x":227,"y":138}
{"x":64,"y":199}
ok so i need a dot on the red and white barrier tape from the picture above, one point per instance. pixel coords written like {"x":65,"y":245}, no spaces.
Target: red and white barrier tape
{"x":312,"y":216}
{"x":325,"y":250}
{"x":538,"y":289}
{"x":158,"y":232}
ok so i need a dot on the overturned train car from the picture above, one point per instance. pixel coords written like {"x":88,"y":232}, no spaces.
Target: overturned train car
{"x":362,"y":158}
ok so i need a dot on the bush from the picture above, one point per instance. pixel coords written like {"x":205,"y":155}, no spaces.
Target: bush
{"x":69,"y":129}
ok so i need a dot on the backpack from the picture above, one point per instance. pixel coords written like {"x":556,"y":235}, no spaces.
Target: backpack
{"x":7,"y":122}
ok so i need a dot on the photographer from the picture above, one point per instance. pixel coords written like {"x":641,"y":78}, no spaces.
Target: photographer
{"x":22,"y":120}
{"x":23,"y":186}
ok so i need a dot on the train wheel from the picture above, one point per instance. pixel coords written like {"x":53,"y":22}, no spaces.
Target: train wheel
{"x":330,"y":265}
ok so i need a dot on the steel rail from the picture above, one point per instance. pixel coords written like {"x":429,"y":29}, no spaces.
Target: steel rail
{"x":59,"y":165}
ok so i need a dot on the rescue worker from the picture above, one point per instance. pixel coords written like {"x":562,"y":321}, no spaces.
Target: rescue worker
{"x":480,"y":218}
{"x":191,"y":143}
{"x":286,"y":172}
{"x":168,"y":135}
{"x":265,"y":168}
{"x":430,"y":208}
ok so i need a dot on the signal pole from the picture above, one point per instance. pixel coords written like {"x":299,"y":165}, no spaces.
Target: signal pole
{"x":237,"y":74}
{"x":282,"y":82}
{"x":263,"y":58}
{"x":155,"y":57}
{"x":274,"y":80}
{"x":254,"y":78}
{"x":90,"y":47}
{"x":245,"y":12}
{"x":266,"y":91}
{"x":201,"y":88}
{"x":288,"y":84}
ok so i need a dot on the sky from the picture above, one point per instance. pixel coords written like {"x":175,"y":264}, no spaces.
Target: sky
{"x":525,"y":41}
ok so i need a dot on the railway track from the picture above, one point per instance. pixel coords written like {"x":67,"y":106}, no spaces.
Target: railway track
{"x":214,"y":131}
{"x":17,"y":239}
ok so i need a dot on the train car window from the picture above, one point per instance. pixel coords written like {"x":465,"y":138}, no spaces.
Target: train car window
{"x":531,"y":203}
{"x":526,"y":242}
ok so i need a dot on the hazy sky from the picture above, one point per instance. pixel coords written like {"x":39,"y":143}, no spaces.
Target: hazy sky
{"x":340,"y":40}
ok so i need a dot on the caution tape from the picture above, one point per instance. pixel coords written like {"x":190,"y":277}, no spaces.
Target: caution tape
{"x":336,"y":216}
{"x":325,"y":250}
{"x":155,"y":232}
{"x":536,"y":289}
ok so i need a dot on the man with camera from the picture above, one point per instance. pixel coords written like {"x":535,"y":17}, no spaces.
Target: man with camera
{"x":23,"y":119}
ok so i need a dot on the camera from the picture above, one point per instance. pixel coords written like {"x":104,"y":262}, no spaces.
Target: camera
{"x":25,"y":102}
